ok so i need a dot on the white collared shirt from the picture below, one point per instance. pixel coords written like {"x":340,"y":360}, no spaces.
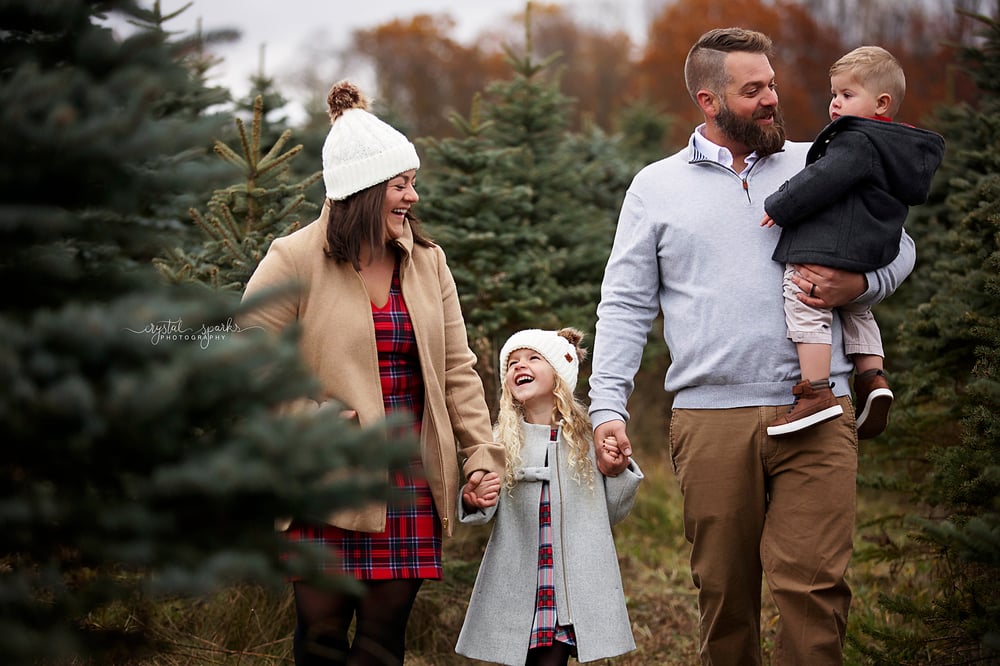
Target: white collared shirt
{"x":718,"y":153}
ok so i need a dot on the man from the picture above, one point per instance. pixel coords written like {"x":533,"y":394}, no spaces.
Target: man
{"x":689,"y":243}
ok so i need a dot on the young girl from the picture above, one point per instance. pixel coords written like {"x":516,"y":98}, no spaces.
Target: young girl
{"x":549,"y":585}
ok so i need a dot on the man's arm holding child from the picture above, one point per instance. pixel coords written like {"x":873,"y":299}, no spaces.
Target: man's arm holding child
{"x":824,"y":287}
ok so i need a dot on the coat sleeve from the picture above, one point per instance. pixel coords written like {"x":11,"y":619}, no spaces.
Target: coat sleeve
{"x":884,"y":281}
{"x":621,"y":491}
{"x":271,"y":301}
{"x":467,"y":410}
{"x":477,"y":517}
{"x":628,"y":306}
{"x":848,"y":160}
{"x":272,"y":293}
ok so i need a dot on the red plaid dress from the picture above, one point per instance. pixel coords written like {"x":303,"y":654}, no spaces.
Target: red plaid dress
{"x":544,"y":630}
{"x":410,"y":546}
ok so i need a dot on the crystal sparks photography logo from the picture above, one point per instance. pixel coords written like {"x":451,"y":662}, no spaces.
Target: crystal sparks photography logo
{"x":174,"y":330}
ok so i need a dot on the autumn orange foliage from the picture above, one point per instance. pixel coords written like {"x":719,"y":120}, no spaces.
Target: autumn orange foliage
{"x":425,"y":75}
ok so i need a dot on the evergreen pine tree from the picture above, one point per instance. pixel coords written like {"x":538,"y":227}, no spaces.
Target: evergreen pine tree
{"x":482,"y":219}
{"x":947,"y":428}
{"x":265,"y":96}
{"x":525,"y":210}
{"x":142,"y":454}
{"x":192,"y":51}
{"x":644,"y":130}
{"x":200,"y":102}
{"x":244,"y":218}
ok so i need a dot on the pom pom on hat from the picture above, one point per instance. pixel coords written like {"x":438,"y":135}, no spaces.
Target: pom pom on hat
{"x":360,"y":150}
{"x":343,"y":96}
{"x":560,"y":352}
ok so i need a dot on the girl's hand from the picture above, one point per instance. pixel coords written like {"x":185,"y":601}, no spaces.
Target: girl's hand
{"x":767,"y":221}
{"x":481,"y":491}
{"x":612,"y":448}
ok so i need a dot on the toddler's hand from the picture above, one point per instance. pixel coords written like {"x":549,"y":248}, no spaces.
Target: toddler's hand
{"x":767,"y":221}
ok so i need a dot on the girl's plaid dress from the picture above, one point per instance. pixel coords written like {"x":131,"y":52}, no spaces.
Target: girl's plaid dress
{"x":545,"y":631}
{"x":410,"y":546}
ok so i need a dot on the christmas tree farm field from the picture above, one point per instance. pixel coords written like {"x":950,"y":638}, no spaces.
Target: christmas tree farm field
{"x":251,"y":626}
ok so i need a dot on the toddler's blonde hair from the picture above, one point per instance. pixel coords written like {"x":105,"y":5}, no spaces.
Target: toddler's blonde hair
{"x":877,"y":70}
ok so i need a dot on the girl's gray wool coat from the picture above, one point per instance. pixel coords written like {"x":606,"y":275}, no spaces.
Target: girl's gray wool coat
{"x":587,"y":580}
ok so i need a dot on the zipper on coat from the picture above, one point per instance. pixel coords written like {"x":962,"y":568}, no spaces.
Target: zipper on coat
{"x":443,"y":512}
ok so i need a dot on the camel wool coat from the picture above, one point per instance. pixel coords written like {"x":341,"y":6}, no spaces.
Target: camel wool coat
{"x":337,"y":343}
{"x":587,"y":579}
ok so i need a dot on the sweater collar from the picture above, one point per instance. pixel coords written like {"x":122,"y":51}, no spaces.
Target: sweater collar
{"x":703,"y":149}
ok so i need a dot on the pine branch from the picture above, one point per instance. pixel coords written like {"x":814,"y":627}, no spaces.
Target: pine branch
{"x":229,"y":155}
{"x":242,"y":218}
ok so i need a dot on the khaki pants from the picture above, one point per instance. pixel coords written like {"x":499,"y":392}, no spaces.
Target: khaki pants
{"x":783,"y":507}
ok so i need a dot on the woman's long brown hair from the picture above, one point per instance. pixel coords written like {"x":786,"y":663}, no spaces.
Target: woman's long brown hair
{"x":357,"y":221}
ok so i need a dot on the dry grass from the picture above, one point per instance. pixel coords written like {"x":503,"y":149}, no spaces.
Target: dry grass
{"x":252,"y":627}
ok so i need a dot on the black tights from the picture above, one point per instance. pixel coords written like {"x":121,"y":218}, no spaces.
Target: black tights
{"x":323,"y":620}
{"x":556,"y":654}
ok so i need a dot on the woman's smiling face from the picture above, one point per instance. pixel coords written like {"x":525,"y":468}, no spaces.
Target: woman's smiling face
{"x":400,"y":195}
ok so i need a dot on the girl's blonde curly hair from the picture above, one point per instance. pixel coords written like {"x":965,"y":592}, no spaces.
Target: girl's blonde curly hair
{"x":568,"y":412}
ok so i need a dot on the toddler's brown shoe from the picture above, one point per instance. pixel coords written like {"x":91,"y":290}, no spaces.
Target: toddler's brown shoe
{"x":872,"y":400}
{"x":811,"y":407}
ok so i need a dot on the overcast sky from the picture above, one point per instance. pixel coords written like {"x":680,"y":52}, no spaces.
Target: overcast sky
{"x":288,"y":28}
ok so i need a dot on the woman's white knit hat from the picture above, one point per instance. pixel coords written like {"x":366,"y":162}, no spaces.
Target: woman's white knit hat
{"x":557,"y":350}
{"x":360,"y":150}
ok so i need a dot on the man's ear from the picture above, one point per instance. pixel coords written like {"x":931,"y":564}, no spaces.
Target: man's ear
{"x":708,"y":102}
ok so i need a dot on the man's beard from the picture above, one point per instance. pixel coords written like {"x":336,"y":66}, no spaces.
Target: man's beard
{"x":764,"y":139}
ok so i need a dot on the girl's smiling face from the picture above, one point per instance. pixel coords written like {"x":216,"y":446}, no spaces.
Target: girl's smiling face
{"x":400,"y":195}
{"x":530,"y":379}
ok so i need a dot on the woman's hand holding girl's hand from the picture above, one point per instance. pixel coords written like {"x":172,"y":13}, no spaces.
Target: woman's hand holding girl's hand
{"x":481,"y":491}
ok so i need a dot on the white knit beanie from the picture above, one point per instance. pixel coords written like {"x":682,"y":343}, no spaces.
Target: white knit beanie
{"x":557,"y":350}
{"x":360,"y":150}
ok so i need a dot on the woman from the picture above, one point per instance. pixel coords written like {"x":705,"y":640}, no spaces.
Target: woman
{"x":382,"y":329}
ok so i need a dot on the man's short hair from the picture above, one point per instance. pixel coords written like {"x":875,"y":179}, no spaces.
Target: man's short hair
{"x":705,"y":65}
{"x":877,"y":70}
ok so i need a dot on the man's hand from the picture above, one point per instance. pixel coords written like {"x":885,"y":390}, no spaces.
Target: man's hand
{"x":825,"y":287}
{"x":612,"y":448}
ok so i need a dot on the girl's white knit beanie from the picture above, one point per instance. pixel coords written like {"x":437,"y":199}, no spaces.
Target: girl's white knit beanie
{"x":360,"y":150}
{"x":557,"y":350}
